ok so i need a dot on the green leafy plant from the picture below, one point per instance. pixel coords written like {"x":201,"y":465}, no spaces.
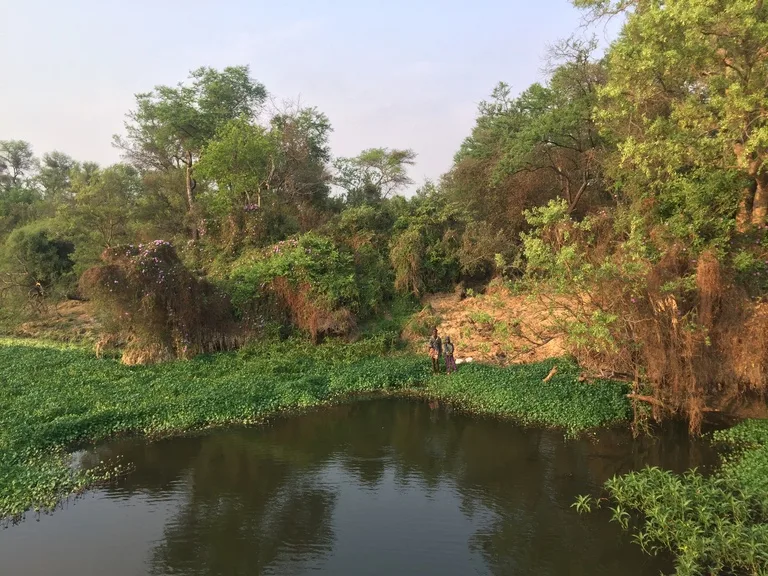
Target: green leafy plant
{"x":712,"y":524}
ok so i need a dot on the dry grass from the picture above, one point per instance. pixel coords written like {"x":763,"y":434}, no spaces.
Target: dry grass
{"x":309,"y":313}
{"x":68,"y":321}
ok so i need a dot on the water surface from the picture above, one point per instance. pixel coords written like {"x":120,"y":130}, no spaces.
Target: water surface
{"x":380,"y":487}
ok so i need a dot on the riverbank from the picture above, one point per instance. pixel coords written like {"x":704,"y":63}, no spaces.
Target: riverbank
{"x":54,"y":398}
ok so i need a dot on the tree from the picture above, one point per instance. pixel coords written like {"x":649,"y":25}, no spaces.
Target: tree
{"x":545,"y":136}
{"x":424,"y":245}
{"x":55,"y":175}
{"x":172,"y":124}
{"x":33,"y":263}
{"x":241,"y":161}
{"x":374,"y":174}
{"x":688,"y":103}
{"x":302,"y":174}
{"x":18,"y":205}
{"x":101,"y":214}
{"x":16,"y":161}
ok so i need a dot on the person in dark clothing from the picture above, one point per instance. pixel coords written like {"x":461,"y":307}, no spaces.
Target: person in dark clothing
{"x":450,"y":361}
{"x":435,"y":351}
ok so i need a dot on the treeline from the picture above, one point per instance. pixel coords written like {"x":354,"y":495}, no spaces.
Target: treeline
{"x":631,"y":190}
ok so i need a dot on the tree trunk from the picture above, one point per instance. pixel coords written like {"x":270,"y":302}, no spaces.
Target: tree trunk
{"x":760,"y":202}
{"x":744,"y":214}
{"x":191,"y":197}
{"x":578,"y":196}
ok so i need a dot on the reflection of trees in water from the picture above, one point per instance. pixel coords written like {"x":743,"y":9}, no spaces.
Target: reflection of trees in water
{"x":286,"y":518}
{"x":256,"y":497}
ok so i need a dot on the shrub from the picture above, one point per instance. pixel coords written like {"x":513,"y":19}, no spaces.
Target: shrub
{"x":422,"y":324}
{"x":34,"y":261}
{"x":424,"y":250}
{"x":308,"y":278}
{"x":633,"y":300}
{"x":157,"y":306}
{"x":713,"y":525}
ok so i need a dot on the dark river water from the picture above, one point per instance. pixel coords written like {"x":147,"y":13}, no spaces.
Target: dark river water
{"x":380,"y":487}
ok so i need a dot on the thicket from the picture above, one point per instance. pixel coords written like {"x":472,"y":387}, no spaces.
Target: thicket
{"x":53,"y":399}
{"x":674,"y":319}
{"x":307,"y":278}
{"x":154,"y":305}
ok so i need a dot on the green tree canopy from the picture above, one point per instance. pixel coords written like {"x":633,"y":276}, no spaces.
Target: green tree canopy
{"x":172,"y":124}
{"x":374,"y":174}
{"x":687,"y":101}
{"x":17,"y":161}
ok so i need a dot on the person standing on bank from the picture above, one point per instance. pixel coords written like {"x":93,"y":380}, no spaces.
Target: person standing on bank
{"x":450,"y":361}
{"x":435,"y":351}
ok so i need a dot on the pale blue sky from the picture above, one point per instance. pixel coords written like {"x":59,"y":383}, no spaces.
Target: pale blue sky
{"x":387,"y":73}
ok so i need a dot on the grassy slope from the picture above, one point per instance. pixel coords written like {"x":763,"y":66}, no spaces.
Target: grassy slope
{"x":53,"y":398}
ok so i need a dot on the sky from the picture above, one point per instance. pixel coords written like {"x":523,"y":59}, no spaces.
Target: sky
{"x":390,"y":73}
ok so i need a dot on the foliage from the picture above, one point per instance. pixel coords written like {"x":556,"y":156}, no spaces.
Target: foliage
{"x":423,"y":323}
{"x":309,"y":277}
{"x":241,"y":161}
{"x":424,"y":249}
{"x":36,"y":266}
{"x":527,"y":150}
{"x":16,"y":161}
{"x":172,"y":124}
{"x":692,"y":78}
{"x":171,"y":121}
{"x":55,"y":176}
{"x":713,"y":524}
{"x":519,"y":392}
{"x":157,"y":306}
{"x":373,"y":175}
{"x":54,"y":399}
{"x":671,"y":315}
{"x":19,"y":205}
{"x":268,"y":181}
{"x":101,"y":213}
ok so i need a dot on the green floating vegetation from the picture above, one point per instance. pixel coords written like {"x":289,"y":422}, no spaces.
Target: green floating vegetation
{"x":53,"y":399}
{"x":519,"y":392}
{"x":715,"y":524}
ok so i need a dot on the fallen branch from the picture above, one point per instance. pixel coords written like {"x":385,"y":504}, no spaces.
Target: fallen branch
{"x":551,"y":373}
{"x":648,"y":399}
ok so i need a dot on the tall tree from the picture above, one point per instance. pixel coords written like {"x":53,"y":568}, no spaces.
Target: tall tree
{"x":55,"y":175}
{"x":302,"y":174}
{"x":241,"y":161}
{"x":101,"y":213}
{"x":16,"y":161}
{"x":687,"y":100}
{"x":172,"y":124}
{"x":547,"y":129}
{"x":374,"y":174}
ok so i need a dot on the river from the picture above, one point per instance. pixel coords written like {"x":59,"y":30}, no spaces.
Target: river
{"x":377,"y":487}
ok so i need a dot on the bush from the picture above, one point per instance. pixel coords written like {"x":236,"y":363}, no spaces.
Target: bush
{"x":155,"y":304}
{"x":633,"y":302}
{"x":713,"y":525}
{"x":308,"y":278}
{"x":424,"y":250}
{"x":422,"y":324}
{"x":35,"y":266}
